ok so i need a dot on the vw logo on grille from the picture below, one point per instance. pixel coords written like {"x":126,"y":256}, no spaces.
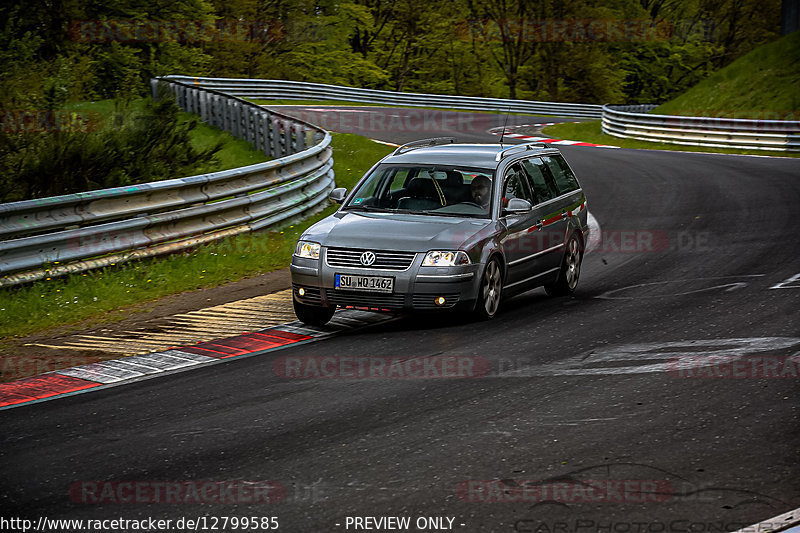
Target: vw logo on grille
{"x":367,"y":258}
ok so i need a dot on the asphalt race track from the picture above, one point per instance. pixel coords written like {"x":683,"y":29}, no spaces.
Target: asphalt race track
{"x":399,"y":125}
{"x":586,"y":423}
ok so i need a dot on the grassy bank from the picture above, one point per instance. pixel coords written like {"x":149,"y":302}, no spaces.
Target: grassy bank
{"x":102,"y":295}
{"x":762,"y":84}
{"x":234,"y":153}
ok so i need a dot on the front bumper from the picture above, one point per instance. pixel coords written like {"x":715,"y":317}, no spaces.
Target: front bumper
{"x":417,"y":288}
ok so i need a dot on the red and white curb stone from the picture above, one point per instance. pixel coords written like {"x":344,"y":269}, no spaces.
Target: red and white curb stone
{"x":114,"y":372}
{"x":509,"y":132}
{"x":104,"y":374}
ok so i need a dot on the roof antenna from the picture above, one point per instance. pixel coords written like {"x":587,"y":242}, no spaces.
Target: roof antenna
{"x":502,"y":133}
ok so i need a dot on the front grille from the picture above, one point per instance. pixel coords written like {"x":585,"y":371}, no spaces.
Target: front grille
{"x":384,"y":259}
{"x":313,"y":295}
{"x":361,"y":299}
{"x":427,"y":301}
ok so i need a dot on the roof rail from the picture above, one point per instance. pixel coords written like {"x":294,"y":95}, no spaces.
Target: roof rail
{"x":511,"y":150}
{"x":413,"y":145}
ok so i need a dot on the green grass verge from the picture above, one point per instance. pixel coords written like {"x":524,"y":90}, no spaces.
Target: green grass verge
{"x":235,"y":152}
{"x":102,"y":295}
{"x":762,"y":84}
{"x":591,"y":132}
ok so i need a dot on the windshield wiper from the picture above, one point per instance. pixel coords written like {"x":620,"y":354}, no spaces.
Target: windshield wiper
{"x":450,"y":214}
{"x":362,"y":208}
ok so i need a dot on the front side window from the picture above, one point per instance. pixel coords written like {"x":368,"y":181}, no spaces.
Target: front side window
{"x":422,"y":189}
{"x":516,"y":185}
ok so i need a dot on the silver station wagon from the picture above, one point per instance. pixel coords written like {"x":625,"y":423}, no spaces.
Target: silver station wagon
{"x":441,"y":226}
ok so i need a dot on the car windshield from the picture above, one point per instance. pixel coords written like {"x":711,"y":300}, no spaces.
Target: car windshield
{"x":440,"y":190}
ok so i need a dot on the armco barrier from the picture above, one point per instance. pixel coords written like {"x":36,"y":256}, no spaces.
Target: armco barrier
{"x":634,"y":122}
{"x":297,"y":90}
{"x":76,"y":232}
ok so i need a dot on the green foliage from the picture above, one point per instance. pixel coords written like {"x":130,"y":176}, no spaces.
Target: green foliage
{"x":117,"y":69}
{"x":762,"y":84}
{"x":134,"y":147}
{"x":470,"y":47}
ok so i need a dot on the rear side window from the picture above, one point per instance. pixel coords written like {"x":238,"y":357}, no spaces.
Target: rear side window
{"x":541,"y":181}
{"x":562,"y":174}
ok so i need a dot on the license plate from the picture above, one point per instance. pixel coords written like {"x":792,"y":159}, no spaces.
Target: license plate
{"x":363,"y":283}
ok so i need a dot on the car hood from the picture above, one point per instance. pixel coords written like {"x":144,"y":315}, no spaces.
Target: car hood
{"x":394,"y":231}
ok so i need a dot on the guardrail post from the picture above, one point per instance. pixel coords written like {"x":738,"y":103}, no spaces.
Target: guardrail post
{"x":262,"y":141}
{"x":203,"y":100}
{"x":270,"y":140}
{"x":251,"y":125}
{"x":300,"y":137}
{"x":277,"y":149}
{"x":235,"y":121}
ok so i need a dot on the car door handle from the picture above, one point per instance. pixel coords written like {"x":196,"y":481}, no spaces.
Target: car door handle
{"x":539,"y":224}
{"x":564,"y":214}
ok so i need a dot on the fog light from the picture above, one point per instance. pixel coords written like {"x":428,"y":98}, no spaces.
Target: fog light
{"x":301,"y":291}
{"x":440,"y":300}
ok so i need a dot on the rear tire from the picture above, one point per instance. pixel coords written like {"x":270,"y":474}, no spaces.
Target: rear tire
{"x":313,"y":315}
{"x":490,"y":291}
{"x":570,"y":269}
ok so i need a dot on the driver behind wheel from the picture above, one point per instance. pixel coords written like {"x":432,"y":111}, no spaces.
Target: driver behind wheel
{"x":481,"y":189}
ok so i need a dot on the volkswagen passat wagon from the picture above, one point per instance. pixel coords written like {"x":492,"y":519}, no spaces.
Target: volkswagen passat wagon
{"x":439,"y":225}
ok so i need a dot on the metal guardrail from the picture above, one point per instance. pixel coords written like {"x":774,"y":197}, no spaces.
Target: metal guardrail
{"x":76,"y":232}
{"x":296,"y":90}
{"x":634,"y":122}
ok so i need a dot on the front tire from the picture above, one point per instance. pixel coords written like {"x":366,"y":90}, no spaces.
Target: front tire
{"x":313,"y":315}
{"x":491,"y":290}
{"x":570,"y":269}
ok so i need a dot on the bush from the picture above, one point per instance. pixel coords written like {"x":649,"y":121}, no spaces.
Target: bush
{"x":134,"y":147}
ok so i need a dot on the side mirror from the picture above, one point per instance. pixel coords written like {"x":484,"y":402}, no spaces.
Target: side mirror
{"x":517,"y":206}
{"x":338,"y":195}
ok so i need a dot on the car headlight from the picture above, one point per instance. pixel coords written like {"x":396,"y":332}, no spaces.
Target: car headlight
{"x":307,"y":249}
{"x":445,"y":259}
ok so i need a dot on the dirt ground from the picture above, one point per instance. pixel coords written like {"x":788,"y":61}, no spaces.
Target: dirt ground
{"x":17,"y":360}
